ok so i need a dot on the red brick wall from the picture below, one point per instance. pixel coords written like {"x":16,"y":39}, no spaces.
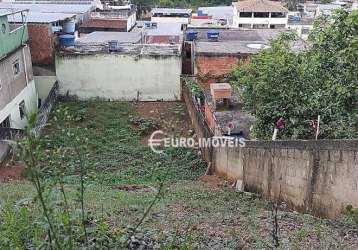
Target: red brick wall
{"x":162,"y":39}
{"x":215,"y":65}
{"x":114,"y":24}
{"x":42,"y":44}
{"x":211,"y":69}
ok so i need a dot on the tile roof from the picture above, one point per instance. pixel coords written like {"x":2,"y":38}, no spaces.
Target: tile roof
{"x":259,"y":6}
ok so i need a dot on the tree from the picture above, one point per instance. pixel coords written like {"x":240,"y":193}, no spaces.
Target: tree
{"x":299,"y":87}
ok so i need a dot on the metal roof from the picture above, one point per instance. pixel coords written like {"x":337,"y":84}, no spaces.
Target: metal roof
{"x":36,"y":17}
{"x":7,"y":12}
{"x":50,"y":8}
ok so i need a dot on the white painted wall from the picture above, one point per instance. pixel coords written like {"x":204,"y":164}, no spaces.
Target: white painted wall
{"x":131,"y":21}
{"x":299,"y":29}
{"x":29,"y":95}
{"x":256,"y":20}
{"x":44,"y":85}
{"x":119,"y":77}
{"x":183,"y":20}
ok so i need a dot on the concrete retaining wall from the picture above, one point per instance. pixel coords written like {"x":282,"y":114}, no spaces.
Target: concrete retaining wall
{"x":319,"y":177}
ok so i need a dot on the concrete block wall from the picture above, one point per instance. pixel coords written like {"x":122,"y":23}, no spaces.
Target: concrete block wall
{"x":317,"y":177}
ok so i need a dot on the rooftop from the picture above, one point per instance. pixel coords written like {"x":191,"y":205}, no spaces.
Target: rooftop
{"x":49,"y":8}
{"x":103,"y":37}
{"x":238,"y":42}
{"x":237,"y":34}
{"x":164,"y":50}
{"x":36,"y":17}
{"x":171,"y":11}
{"x":259,"y":6}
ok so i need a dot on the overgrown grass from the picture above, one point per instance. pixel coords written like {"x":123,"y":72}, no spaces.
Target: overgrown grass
{"x":101,"y":137}
{"x":113,"y":154}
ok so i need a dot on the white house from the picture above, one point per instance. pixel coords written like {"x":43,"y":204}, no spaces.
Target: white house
{"x":260,"y":14}
{"x":168,"y":15}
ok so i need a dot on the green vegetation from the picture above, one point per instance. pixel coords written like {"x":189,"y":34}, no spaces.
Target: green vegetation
{"x":97,"y":181}
{"x":299,"y":87}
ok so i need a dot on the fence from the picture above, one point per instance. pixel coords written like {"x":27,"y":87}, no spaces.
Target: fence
{"x":319,"y":177}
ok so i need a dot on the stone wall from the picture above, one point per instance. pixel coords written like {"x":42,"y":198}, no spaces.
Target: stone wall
{"x":318,"y":177}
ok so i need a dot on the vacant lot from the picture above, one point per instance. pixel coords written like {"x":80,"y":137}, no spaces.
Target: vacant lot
{"x":123,"y":176}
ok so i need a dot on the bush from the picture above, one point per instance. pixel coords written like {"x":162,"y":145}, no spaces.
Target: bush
{"x":299,"y":87}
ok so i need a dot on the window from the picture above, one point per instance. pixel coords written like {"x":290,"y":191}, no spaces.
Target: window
{"x":3,"y":28}
{"x":22,"y":110}
{"x":261,"y":14}
{"x":260,"y":26}
{"x":16,"y":67}
{"x":5,"y":123}
{"x":245,"y":14}
{"x":278,"y":14}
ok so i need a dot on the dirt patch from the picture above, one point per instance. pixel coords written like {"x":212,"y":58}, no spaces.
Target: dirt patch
{"x":11,"y":173}
{"x":171,"y":117}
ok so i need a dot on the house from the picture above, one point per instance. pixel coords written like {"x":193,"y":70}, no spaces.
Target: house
{"x":43,"y":29}
{"x":46,"y":20}
{"x":162,"y":33}
{"x":18,"y":95}
{"x":222,"y":15}
{"x":111,"y":18}
{"x":301,"y":25}
{"x":212,"y":54}
{"x":81,"y":9}
{"x":171,"y":15}
{"x":112,"y":66}
{"x":259,"y":14}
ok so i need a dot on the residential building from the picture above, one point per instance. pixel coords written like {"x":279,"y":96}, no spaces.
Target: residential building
{"x":259,"y":14}
{"x":114,"y":68}
{"x":81,"y":11}
{"x":18,"y":95}
{"x":43,"y":29}
{"x":222,"y":15}
{"x":302,"y":26}
{"x":167,"y":15}
{"x":111,"y":18}
{"x":213,"y":53}
{"x":162,"y":33}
